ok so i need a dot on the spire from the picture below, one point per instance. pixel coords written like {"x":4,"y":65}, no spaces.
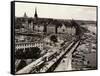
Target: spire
{"x":25,"y":16}
{"x":35,"y":15}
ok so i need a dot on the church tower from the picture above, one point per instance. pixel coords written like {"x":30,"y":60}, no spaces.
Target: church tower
{"x":35,"y":21}
{"x":36,"y":15}
{"x":25,"y":16}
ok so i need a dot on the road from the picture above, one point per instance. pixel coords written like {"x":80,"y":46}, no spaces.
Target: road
{"x":65,"y":64}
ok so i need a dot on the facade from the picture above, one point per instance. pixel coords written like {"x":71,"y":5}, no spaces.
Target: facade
{"x":50,"y":28}
{"x":39,"y":28}
{"x":40,"y":24}
{"x":66,"y":29}
{"x":31,"y":27}
{"x":29,"y":45}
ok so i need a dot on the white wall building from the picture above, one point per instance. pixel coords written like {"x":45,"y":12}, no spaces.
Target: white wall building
{"x":66,"y":29}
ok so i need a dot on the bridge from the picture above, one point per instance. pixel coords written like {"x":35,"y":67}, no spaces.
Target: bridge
{"x":51,"y":61}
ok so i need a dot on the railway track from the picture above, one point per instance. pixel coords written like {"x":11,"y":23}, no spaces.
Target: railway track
{"x":50,"y":61}
{"x":55,"y":62}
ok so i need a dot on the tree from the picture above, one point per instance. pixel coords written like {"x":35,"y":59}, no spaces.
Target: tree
{"x":19,"y":54}
{"x":53,"y":38}
{"x":21,"y":65}
{"x":19,"y":25}
{"x":45,"y":28}
{"x":35,"y":52}
{"x":57,"y":24}
{"x":77,"y":26}
{"x":29,"y":53}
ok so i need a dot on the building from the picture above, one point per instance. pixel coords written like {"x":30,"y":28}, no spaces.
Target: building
{"x":66,"y":29}
{"x":24,"y":45}
{"x":50,"y":28}
{"x":43,"y":25}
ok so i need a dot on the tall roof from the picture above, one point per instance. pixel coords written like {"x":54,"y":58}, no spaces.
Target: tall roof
{"x":35,"y":15}
{"x":25,"y":15}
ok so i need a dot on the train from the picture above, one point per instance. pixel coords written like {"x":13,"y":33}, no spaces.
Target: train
{"x":47,"y":57}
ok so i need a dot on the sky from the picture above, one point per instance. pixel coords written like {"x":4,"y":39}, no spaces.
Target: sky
{"x":55,"y":11}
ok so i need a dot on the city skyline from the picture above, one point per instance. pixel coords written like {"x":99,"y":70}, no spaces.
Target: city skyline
{"x":51,"y":11}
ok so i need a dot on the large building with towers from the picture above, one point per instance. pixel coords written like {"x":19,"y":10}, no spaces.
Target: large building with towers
{"x":43,"y":25}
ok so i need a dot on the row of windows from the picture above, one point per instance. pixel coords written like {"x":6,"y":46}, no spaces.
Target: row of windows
{"x":29,"y":45}
{"x":40,"y":46}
